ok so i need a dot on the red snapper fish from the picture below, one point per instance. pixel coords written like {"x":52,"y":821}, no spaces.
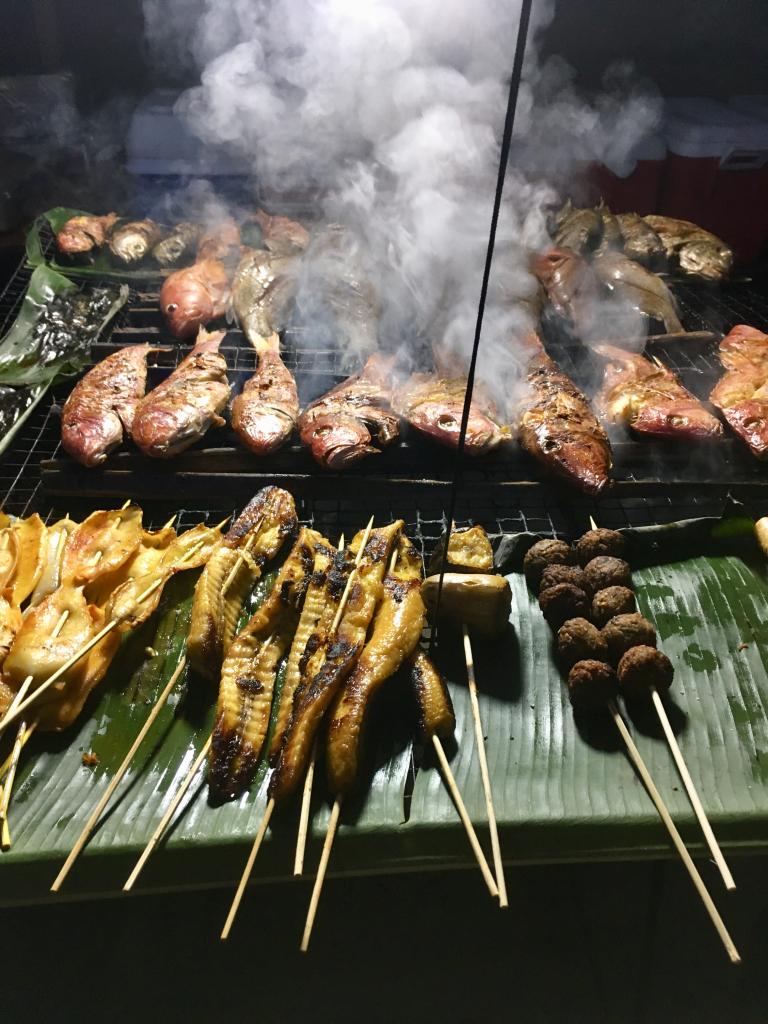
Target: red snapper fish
{"x":194,"y":296}
{"x":741,"y":394}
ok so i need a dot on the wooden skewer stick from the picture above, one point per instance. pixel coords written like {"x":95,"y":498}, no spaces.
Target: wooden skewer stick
{"x":97,"y":811}
{"x":147,"y":592}
{"x":474,"y":842}
{"x":7,"y":762}
{"x":701,"y":889}
{"x":481,"y":754}
{"x":164,"y":821}
{"x":239,"y":561}
{"x":330,"y":835}
{"x":309,"y":778}
{"x":592,"y":523}
{"x":690,"y":788}
{"x":248,"y":869}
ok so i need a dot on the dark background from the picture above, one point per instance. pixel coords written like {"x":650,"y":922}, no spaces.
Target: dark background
{"x":624,"y":943}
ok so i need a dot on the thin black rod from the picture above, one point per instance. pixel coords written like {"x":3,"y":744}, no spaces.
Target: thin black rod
{"x":506,"y":140}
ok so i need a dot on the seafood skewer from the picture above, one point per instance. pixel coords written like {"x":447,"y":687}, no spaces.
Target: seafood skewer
{"x":741,"y":394}
{"x":649,"y":398}
{"x":181,"y":409}
{"x":102,"y":406}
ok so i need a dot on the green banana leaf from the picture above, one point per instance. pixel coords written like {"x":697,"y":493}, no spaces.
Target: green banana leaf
{"x":101,"y":264}
{"x":562,"y":787}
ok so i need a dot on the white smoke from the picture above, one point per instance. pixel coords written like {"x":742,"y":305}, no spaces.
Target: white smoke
{"x":388,"y":114}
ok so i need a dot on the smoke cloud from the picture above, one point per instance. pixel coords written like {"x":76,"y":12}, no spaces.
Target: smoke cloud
{"x":386,"y":116}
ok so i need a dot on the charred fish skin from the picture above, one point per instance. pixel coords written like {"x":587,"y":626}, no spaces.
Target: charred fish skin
{"x":644,"y":290}
{"x":194,"y":296}
{"x":178,"y":243}
{"x":132,"y":242}
{"x":397,"y":628}
{"x":340,"y":426}
{"x":102,"y":406}
{"x":560,"y":430}
{"x":433,"y":406}
{"x":650,"y":399}
{"x":319,"y":688}
{"x":249,"y":671}
{"x":741,"y":394}
{"x":182,"y":409}
{"x":83,"y":234}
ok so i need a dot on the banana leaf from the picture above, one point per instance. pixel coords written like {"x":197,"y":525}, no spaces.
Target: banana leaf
{"x":563,"y":789}
{"x":99,"y":264}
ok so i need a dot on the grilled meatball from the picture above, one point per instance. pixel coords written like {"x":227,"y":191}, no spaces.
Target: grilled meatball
{"x":591,"y":684}
{"x":610,"y":602}
{"x":554,"y":574}
{"x":579,"y":640}
{"x":642,"y":668}
{"x":563,"y":602}
{"x":625,"y":631}
{"x":599,"y":542}
{"x":542,"y":554}
{"x":607,"y":571}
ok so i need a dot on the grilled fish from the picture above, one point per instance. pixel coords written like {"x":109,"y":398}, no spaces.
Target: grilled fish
{"x":396,"y":631}
{"x":102,"y":406}
{"x":192,"y":297}
{"x":612,"y":238}
{"x":572,"y":288}
{"x":741,"y":394}
{"x":249,"y":671}
{"x":339,"y":427}
{"x":332,"y":659}
{"x":435,"y":708}
{"x":650,"y":399}
{"x":221,"y":243}
{"x":641,"y":243}
{"x":254,"y":538}
{"x":641,"y":288}
{"x":578,"y":229}
{"x":84,"y":233}
{"x":265,"y":413}
{"x":181,"y":409}
{"x":559,"y":429}
{"x":697,"y":252}
{"x":131,"y":242}
{"x":433,"y":405}
{"x":280,"y":234}
{"x":178,"y":243}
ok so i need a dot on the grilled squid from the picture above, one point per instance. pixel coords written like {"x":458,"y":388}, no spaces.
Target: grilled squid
{"x":254,"y":538}
{"x":10,"y":623}
{"x":100,"y":544}
{"x":337,"y":653}
{"x":249,"y":671}
{"x":53,"y":557}
{"x":22,"y":556}
{"x":396,"y":631}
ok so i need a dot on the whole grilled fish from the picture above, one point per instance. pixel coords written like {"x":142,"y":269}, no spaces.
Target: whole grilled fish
{"x":433,"y":405}
{"x":280,"y":234}
{"x":178,"y":243}
{"x":641,"y":288}
{"x":741,"y":394}
{"x":339,"y":427}
{"x":265,"y":413}
{"x":696,"y":251}
{"x":641,"y":243}
{"x":559,"y":429}
{"x":611,"y":231}
{"x":192,"y":297}
{"x":572,"y":288}
{"x":181,"y":409}
{"x":84,"y":233}
{"x":650,"y":399}
{"x":102,"y":406}
{"x":221,"y":242}
{"x":578,"y":229}
{"x":131,"y":242}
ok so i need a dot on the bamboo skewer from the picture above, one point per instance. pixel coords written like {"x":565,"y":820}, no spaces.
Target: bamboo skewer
{"x":166,"y":818}
{"x":701,"y":889}
{"x":98,"y":810}
{"x":498,"y":864}
{"x":693,"y":796}
{"x":592,"y":523}
{"x":330,"y":835}
{"x":309,"y":778}
{"x":248,"y":869}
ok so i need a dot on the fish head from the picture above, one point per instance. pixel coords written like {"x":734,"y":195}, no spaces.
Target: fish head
{"x":581,"y":458}
{"x":337,"y":441}
{"x":91,"y":439}
{"x":186,"y":304}
{"x":707,"y":259}
{"x":678,"y":419}
{"x":441,"y":420}
{"x":749,"y":421}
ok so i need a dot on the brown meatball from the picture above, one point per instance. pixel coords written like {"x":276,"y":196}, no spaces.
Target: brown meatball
{"x":563,"y":602}
{"x":642,"y":668}
{"x":554,"y":574}
{"x":591,"y":684}
{"x":606,"y":571}
{"x":599,"y":542}
{"x":610,"y":602}
{"x":542,"y":554}
{"x":625,"y":631}
{"x":578,"y":640}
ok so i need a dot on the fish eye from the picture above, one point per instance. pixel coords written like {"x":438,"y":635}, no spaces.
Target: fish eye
{"x":171,"y":307}
{"x":446,"y":421}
